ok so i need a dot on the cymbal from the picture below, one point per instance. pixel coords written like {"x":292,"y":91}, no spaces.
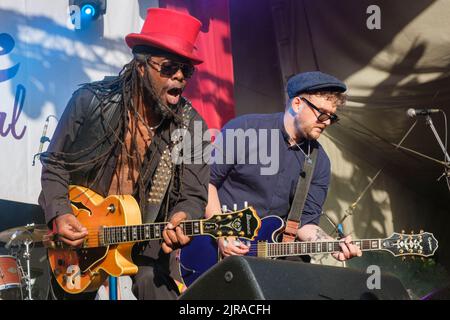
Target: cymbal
{"x":34,"y":232}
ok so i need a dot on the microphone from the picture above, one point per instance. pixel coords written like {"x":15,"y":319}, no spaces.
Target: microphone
{"x":44,"y":138}
{"x":421,"y":112}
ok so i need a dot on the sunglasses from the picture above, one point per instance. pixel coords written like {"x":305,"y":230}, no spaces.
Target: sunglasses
{"x":323,"y":116}
{"x":169,"y":68}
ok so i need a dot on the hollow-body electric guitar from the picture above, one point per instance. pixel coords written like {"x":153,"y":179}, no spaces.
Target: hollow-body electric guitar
{"x":202,"y":252}
{"x":114,"y":226}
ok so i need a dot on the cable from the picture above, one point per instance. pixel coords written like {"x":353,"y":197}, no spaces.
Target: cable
{"x":447,"y":163}
{"x":445,"y":128}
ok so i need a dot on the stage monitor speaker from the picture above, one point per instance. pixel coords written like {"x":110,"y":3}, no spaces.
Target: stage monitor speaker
{"x":250,"y":278}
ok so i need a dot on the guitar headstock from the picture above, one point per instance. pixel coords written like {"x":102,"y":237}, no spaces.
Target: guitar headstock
{"x":423,"y":244}
{"x":243,"y":224}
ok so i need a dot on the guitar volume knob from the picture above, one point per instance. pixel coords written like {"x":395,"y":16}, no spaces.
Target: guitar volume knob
{"x":111,"y":208}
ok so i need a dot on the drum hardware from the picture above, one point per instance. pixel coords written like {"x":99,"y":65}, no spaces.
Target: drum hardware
{"x":27,"y":257}
{"x":34,"y":232}
{"x":17,"y":238}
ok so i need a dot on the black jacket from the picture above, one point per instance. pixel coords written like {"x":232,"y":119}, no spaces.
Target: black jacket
{"x":81,"y":129}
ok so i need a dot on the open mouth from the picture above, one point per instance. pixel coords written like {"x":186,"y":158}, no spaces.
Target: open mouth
{"x":175,"y":92}
{"x":173,"y":95}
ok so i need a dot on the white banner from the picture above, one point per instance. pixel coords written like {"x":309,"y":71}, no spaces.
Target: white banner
{"x":43,"y":58}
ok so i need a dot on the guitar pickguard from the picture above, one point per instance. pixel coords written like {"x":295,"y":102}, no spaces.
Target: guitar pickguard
{"x":89,"y":257}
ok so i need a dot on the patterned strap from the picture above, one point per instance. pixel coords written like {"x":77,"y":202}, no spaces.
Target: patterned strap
{"x":163,"y":174}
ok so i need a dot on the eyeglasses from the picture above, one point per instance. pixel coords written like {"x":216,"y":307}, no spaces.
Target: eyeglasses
{"x":323,"y":116}
{"x":169,"y":68}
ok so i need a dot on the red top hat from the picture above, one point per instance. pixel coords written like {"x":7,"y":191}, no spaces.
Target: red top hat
{"x":169,"y":30}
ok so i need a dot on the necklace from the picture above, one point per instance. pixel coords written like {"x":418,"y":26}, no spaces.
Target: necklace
{"x":307,"y":156}
{"x":150,"y":129}
{"x":145,"y":123}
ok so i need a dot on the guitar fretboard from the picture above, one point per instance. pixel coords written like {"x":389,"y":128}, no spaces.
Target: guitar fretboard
{"x":273,"y":250}
{"x":144,"y":232}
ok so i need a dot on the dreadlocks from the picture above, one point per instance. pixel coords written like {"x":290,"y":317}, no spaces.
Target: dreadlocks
{"x":133,"y":89}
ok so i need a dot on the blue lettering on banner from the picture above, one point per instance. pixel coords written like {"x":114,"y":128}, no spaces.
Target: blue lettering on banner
{"x":6,"y":46}
{"x":17,"y":110}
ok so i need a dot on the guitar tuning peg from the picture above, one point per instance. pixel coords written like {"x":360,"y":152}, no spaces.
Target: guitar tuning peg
{"x":403,"y":231}
{"x":224,"y":208}
{"x":421,"y":231}
{"x":234,"y":207}
{"x":245,"y":204}
{"x":412,"y":231}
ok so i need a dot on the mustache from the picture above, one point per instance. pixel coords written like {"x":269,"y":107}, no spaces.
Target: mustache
{"x":167,"y":112}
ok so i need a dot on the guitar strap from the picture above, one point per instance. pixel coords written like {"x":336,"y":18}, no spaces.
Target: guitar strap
{"x":163,"y":174}
{"x":301,"y":192}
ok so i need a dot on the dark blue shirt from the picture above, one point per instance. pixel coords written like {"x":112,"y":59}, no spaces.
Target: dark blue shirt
{"x":244,"y":179}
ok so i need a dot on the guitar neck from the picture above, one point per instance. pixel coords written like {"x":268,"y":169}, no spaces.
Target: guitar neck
{"x":283,"y":249}
{"x":145,"y":232}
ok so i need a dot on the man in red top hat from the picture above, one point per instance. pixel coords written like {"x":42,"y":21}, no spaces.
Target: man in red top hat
{"x":114,"y":136}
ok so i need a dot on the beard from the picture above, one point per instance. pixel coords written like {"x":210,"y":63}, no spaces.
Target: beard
{"x":166,"y":112}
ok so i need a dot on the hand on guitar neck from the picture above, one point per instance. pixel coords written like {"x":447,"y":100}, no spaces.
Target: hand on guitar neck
{"x":348,"y":250}
{"x":312,"y":232}
{"x":69,"y":230}
{"x":173,"y":235}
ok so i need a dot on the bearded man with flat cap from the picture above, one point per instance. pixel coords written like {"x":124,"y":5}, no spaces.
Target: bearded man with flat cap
{"x":313,"y":99}
{"x":114,"y":135}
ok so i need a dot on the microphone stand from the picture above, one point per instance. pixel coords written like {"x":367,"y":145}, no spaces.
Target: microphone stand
{"x":429,"y":122}
{"x":349,"y":211}
{"x":446,"y":173}
{"x":43,"y":139}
